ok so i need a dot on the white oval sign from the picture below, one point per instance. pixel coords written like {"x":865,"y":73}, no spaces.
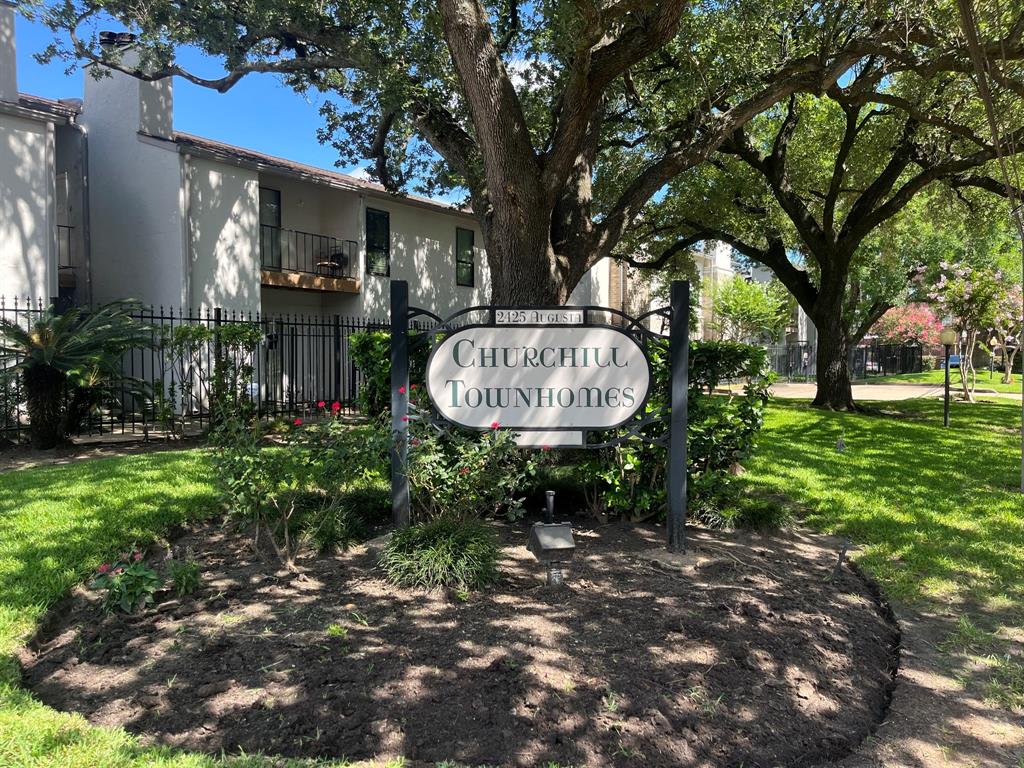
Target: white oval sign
{"x":538,"y":378}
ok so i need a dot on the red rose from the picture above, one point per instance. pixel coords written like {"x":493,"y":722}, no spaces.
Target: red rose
{"x":546,"y":448}
{"x":405,"y":418}
{"x":321,"y":404}
{"x":297,"y":422}
{"x":495,"y":425}
{"x":401,"y":390}
{"x":335,"y":406}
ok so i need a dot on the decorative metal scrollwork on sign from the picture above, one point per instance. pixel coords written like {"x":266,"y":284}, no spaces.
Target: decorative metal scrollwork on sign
{"x":575,"y":376}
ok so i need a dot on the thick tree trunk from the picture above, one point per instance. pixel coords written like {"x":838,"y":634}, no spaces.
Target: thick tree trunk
{"x":44,"y":393}
{"x":835,"y":391}
{"x":522,"y":264}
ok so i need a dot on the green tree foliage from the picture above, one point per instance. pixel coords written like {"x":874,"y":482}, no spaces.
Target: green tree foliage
{"x":743,"y":310}
{"x":829,"y":192}
{"x":69,"y":364}
{"x":562,"y":120}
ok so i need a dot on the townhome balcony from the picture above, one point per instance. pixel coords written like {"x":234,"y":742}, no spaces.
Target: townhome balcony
{"x":291,"y":258}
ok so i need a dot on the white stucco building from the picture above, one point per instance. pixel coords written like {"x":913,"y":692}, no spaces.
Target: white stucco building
{"x":177,"y":220}
{"x":43,"y":192}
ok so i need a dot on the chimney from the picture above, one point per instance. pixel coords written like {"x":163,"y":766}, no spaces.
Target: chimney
{"x":148,"y":105}
{"x":8,"y":57}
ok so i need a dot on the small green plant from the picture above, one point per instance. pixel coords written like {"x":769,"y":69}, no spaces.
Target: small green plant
{"x":129,"y":583}
{"x":610,"y":701}
{"x":184,"y":576}
{"x":334,"y":525}
{"x":446,"y":552}
{"x":336,"y":630}
{"x":700,"y":696}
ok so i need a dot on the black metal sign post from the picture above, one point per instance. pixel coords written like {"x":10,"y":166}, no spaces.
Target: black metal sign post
{"x":399,"y":402}
{"x":679,"y":358}
{"x":678,"y":316}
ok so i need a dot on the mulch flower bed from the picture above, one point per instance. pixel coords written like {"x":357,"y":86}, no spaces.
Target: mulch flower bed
{"x":749,"y":655}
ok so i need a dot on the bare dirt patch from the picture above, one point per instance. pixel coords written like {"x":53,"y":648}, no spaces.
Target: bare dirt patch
{"x":747,"y":655}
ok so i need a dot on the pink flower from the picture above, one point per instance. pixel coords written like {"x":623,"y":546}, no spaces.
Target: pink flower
{"x":412,"y":386}
{"x":405,"y":418}
{"x":415,"y":441}
{"x":123,"y":556}
{"x":297,"y":422}
{"x":464,"y":471}
{"x":546,"y":448}
{"x":136,"y":556}
{"x":103,"y":568}
{"x":118,"y":571}
{"x":335,"y":406}
{"x":321,"y":404}
{"x":401,"y":390}
{"x":495,"y":425}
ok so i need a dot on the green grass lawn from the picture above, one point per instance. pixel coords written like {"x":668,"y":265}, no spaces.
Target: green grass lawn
{"x":937,"y":511}
{"x":56,"y":525}
{"x":937,"y":378}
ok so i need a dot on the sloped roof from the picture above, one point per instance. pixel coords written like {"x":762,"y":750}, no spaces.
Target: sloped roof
{"x":263,"y":161}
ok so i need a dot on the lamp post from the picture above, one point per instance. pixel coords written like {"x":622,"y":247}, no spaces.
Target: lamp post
{"x":948,"y":337}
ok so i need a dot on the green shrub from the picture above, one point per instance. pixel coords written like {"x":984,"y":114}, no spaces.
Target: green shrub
{"x":371,"y":353}
{"x":69,"y":364}
{"x":129,"y":583}
{"x":446,"y":552}
{"x":371,"y":503}
{"x":466,"y":474}
{"x":184,"y":576}
{"x":334,"y":525}
{"x":628,"y":480}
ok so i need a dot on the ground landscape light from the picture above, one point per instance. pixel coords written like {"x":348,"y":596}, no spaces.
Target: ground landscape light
{"x":552,"y":543}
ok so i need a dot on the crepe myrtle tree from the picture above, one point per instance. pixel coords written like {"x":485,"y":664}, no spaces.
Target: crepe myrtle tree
{"x":561,"y":119}
{"x":829,"y":193}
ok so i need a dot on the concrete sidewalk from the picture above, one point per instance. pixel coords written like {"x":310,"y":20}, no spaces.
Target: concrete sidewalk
{"x":802,"y":391}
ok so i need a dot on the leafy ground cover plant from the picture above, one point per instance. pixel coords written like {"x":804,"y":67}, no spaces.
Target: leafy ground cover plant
{"x":128,"y":581}
{"x":184,"y":574}
{"x":445,"y":552}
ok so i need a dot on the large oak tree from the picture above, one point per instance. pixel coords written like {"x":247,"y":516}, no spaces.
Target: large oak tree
{"x":826,"y":192}
{"x":563,"y":119}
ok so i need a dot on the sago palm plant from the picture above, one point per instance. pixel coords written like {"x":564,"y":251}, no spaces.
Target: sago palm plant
{"x":68,"y":362}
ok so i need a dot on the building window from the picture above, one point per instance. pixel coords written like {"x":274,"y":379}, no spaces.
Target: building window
{"x":378,"y":242}
{"x":270,"y":228}
{"x":464,"y":266}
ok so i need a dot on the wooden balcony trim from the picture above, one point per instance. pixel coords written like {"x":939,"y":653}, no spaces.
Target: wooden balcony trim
{"x":305,"y":281}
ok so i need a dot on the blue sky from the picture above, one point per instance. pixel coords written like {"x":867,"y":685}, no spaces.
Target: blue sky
{"x":258,"y":113}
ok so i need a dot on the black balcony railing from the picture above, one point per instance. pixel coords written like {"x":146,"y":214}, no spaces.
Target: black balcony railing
{"x":290,"y":250}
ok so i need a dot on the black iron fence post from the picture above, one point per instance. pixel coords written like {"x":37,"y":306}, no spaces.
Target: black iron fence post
{"x":337,"y":358}
{"x":399,"y":401}
{"x":679,"y":356}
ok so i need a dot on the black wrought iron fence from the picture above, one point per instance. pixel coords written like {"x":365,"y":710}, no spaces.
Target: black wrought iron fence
{"x":284,"y":365}
{"x":799,"y":361}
